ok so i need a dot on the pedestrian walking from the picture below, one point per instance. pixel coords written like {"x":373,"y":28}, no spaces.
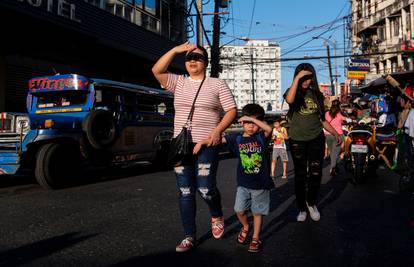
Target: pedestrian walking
{"x":253,"y":177}
{"x":279,"y":135}
{"x":307,"y":142}
{"x":409,"y":131}
{"x":335,"y":119}
{"x":197,"y":173}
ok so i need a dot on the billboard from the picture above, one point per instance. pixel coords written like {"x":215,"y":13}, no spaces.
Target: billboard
{"x":358,"y":68}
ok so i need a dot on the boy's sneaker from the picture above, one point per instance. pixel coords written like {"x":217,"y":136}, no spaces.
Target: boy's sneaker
{"x":217,"y":227}
{"x":301,"y":216}
{"x":314,"y":213}
{"x":185,"y":245}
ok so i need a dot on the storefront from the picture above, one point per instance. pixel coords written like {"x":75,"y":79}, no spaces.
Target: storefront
{"x":111,"y":39}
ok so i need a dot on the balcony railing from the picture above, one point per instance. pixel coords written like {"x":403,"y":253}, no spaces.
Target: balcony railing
{"x":374,"y":18}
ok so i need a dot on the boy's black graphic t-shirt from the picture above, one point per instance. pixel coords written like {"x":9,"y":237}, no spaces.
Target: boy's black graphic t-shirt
{"x":253,"y":165}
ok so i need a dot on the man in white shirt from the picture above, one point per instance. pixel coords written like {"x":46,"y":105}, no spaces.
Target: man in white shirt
{"x":409,"y":124}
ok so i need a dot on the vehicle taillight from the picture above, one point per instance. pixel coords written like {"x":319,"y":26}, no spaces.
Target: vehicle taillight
{"x":2,"y":122}
{"x":359,"y":139}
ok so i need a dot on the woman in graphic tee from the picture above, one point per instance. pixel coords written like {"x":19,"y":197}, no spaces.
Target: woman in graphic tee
{"x":307,"y":142}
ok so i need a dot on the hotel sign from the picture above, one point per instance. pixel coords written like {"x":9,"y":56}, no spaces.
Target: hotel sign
{"x":358,"y":68}
{"x":63,"y":8}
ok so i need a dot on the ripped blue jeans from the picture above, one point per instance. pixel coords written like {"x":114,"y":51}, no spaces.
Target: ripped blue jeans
{"x":198,"y":174}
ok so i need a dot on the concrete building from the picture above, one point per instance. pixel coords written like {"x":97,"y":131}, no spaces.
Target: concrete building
{"x":110,"y":39}
{"x":384,"y":27}
{"x":253,"y":73}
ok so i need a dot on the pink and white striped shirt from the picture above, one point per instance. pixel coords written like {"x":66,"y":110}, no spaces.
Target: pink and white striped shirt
{"x":214,"y":96}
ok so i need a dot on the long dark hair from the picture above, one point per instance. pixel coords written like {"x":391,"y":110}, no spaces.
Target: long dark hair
{"x":335,"y":108}
{"x":299,"y":101}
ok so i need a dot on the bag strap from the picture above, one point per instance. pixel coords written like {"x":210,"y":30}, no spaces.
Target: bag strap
{"x":190,"y":115}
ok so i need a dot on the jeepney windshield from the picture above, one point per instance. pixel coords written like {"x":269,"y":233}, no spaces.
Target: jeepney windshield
{"x":61,"y":99}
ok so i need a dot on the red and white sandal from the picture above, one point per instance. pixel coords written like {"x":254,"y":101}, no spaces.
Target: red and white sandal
{"x":217,"y":227}
{"x":242,"y":236}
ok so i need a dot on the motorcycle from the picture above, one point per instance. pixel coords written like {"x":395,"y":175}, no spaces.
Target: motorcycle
{"x":360,"y":151}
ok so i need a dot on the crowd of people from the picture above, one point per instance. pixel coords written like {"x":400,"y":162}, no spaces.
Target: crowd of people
{"x":312,"y":127}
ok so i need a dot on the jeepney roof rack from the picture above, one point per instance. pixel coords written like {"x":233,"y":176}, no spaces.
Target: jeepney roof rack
{"x":130,"y":87}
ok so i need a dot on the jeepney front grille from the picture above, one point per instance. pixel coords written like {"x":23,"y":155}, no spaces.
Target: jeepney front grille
{"x":9,"y":138}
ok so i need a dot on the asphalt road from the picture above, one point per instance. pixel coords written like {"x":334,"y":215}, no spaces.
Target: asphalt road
{"x":131,"y":218}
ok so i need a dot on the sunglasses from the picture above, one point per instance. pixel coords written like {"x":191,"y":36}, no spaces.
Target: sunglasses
{"x":195,"y":57}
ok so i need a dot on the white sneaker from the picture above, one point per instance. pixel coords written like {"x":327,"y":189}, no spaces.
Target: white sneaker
{"x":314,"y":213}
{"x":301,"y":216}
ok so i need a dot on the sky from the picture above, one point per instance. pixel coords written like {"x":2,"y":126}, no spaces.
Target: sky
{"x":290,"y":23}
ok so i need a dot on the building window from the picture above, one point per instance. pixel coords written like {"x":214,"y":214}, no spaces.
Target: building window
{"x":381,"y":33}
{"x":94,"y":2}
{"x":395,"y":26}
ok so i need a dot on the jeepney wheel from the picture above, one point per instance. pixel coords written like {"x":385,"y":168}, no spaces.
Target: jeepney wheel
{"x":100,"y":128}
{"x":57,"y":165}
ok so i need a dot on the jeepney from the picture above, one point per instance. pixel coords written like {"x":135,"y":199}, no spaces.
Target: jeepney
{"x":74,"y":122}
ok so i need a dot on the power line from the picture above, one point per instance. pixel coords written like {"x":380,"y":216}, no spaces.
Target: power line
{"x":266,"y":61}
{"x":251,"y":19}
{"x":306,"y":42}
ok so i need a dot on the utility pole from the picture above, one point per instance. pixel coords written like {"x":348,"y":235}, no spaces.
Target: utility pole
{"x":215,"y":48}
{"x":199,"y":22}
{"x":330,"y":68}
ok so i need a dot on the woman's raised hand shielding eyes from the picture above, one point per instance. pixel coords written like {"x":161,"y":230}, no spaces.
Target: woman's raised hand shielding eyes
{"x":303,"y":73}
{"x":185,"y":47}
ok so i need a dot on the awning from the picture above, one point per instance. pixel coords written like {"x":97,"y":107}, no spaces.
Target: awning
{"x":381,"y":86}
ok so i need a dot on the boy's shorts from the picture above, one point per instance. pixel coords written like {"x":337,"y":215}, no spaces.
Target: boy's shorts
{"x":256,"y":200}
{"x":280,"y":152}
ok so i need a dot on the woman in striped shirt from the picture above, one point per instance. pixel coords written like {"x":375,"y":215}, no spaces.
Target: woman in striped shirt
{"x":199,"y":173}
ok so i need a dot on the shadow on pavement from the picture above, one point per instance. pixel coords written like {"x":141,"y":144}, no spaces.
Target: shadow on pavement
{"x":279,"y":215}
{"x":197,"y":257}
{"x":28,"y":253}
{"x":21,"y":183}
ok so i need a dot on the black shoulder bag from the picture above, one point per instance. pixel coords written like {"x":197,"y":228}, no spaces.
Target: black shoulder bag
{"x":181,"y":147}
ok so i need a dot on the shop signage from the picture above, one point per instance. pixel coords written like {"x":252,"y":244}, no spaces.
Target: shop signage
{"x":64,"y":8}
{"x":407,"y":45}
{"x":358,"y":68}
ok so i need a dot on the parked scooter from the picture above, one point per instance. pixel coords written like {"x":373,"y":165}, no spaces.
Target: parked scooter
{"x":360,"y":153}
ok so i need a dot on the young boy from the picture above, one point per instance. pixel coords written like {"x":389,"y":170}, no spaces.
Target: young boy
{"x":253,"y":176}
{"x":279,"y":135}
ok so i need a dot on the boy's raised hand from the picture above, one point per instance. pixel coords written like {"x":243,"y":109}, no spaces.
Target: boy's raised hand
{"x":246,"y":118}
